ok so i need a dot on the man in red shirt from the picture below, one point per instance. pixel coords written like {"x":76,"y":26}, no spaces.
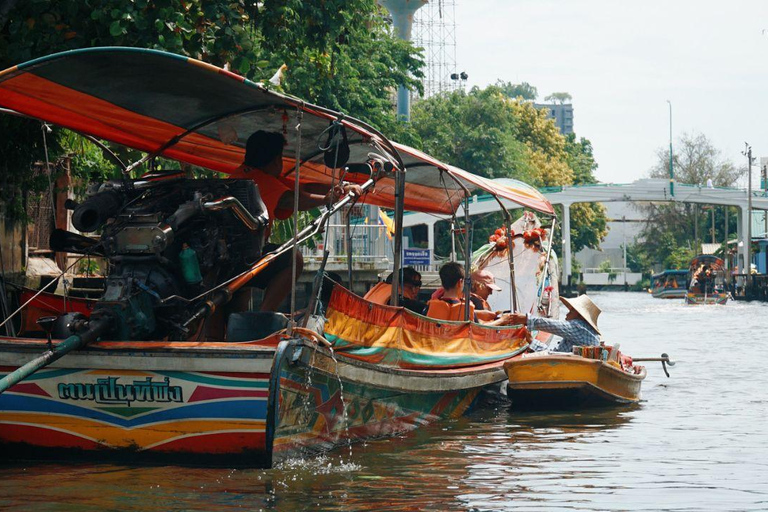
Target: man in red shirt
{"x":263,"y":164}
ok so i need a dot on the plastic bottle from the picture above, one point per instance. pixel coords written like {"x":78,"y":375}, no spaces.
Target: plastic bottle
{"x":190,"y":268}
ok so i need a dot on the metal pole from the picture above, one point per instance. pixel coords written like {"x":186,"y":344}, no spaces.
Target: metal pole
{"x":467,"y":258}
{"x":727,"y":249}
{"x":624,"y":235}
{"x":748,"y":239}
{"x":671,"y":169}
{"x":398,"y":256}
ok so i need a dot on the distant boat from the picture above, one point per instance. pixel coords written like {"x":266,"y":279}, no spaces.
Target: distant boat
{"x":670,"y":284}
{"x":545,"y":380}
{"x":706,"y":281}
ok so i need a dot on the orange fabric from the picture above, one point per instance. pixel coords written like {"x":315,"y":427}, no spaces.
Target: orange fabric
{"x":271,"y":189}
{"x":441,"y":310}
{"x":381,"y":293}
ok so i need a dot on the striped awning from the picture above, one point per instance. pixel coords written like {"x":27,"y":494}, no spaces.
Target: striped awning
{"x":196,"y":113}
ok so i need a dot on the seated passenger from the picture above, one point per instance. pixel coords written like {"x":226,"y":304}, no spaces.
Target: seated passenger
{"x":483,"y":285}
{"x":381,"y":293}
{"x":451,"y":305}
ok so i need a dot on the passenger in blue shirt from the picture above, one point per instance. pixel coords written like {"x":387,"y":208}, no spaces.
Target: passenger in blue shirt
{"x":578,"y":329}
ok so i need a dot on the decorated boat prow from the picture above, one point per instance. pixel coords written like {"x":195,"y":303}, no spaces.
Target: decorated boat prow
{"x":706,"y":276}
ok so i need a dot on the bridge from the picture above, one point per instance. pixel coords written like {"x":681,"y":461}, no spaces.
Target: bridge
{"x":646,"y":190}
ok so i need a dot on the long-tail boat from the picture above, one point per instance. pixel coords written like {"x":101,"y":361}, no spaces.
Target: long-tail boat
{"x":670,"y":284}
{"x":706,"y":281}
{"x":544,"y":380}
{"x":157,"y":369}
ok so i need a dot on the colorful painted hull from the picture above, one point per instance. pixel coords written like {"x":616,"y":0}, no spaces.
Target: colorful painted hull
{"x":169,"y":402}
{"x":252,"y":403}
{"x":218,"y":403}
{"x":323,"y":400}
{"x":669,"y":293}
{"x":697,"y":298}
{"x":567,"y":381}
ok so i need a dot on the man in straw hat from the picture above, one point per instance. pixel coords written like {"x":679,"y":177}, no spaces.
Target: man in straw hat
{"x":578,"y":328}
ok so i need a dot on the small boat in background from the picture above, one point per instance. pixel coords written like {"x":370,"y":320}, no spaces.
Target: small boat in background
{"x":547,"y":380}
{"x":670,"y":284}
{"x":706,"y":281}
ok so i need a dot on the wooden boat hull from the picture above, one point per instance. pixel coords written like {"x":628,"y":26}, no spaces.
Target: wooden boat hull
{"x":233,"y":404}
{"x":567,"y":381}
{"x":697,"y":298}
{"x":322,"y":400}
{"x":669,"y":293}
{"x":165,"y":402}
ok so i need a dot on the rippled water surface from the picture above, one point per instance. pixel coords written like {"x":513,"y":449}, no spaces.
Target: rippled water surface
{"x":698,"y":441}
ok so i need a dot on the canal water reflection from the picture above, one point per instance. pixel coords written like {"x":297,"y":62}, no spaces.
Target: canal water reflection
{"x":697,"y":441}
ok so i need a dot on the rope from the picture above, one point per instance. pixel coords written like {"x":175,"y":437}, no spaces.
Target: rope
{"x":42,"y":290}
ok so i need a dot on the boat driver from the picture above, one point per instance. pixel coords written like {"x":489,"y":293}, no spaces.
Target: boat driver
{"x":263,"y":164}
{"x":578,"y":329}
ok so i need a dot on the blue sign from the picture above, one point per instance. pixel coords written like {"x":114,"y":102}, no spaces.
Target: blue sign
{"x":416,"y":257}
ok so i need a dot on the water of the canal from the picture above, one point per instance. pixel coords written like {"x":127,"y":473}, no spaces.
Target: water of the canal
{"x":698,"y":441}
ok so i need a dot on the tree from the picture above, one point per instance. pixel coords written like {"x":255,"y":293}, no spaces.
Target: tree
{"x":339,"y":53}
{"x":695,"y":160}
{"x":671,"y":234}
{"x":486,"y":132}
{"x":559,"y":97}
{"x":514,"y":91}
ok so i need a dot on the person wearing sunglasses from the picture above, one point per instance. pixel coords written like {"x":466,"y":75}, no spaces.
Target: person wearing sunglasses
{"x":409,"y":298}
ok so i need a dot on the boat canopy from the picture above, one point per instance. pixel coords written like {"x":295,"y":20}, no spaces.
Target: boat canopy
{"x":190,"y":111}
{"x":713,"y":262}
{"x":670,"y":272}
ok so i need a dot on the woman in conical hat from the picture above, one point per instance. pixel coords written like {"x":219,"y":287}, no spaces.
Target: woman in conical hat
{"x":578,"y":328}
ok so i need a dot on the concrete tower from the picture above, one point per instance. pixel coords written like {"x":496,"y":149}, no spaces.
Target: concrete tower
{"x":402,"y":18}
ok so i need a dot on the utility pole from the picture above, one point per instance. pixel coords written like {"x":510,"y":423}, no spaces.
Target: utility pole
{"x":624,"y":235}
{"x":671,"y":169}
{"x":748,"y":242}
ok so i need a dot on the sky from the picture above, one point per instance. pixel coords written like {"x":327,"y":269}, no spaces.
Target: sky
{"x":621,"y":61}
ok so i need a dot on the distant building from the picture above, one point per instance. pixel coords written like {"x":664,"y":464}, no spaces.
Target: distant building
{"x":562,"y":114}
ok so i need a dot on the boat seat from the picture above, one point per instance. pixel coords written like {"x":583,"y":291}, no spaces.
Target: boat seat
{"x":254,"y":325}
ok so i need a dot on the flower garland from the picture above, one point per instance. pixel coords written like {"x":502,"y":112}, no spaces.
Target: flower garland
{"x":531,"y":238}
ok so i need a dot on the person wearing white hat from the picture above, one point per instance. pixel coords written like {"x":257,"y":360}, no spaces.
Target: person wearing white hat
{"x":578,"y":329}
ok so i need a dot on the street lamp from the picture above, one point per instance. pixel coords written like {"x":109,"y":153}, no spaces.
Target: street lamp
{"x":671,"y":170}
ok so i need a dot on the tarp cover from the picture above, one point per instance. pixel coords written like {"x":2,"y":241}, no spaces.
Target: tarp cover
{"x":396,"y":337}
{"x":145,"y":98}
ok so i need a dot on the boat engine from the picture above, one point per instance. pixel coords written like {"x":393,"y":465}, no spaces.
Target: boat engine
{"x":163,"y":238}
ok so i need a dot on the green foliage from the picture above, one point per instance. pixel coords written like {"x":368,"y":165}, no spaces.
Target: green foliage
{"x":524,"y":90}
{"x":695,"y":160}
{"x":343,"y":55}
{"x":20,"y":148}
{"x":637,"y":260}
{"x":88,"y":267}
{"x":673,"y":232}
{"x":606,"y":268}
{"x":580,"y":159}
{"x":559,"y":97}
{"x":487,"y":133}
{"x":340,"y":54}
